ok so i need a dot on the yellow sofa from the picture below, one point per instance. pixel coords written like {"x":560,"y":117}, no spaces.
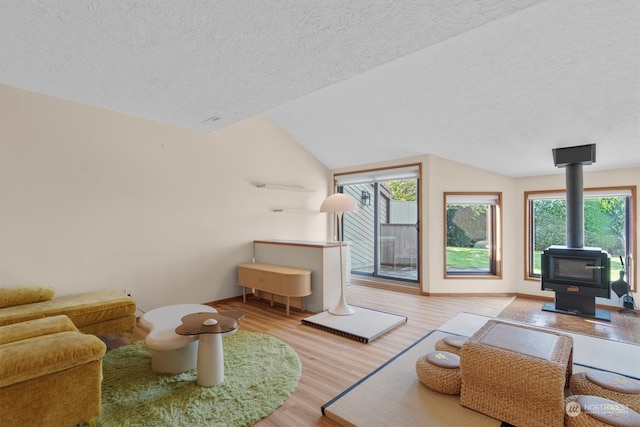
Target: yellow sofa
{"x":50,"y":374}
{"x":98,"y":312}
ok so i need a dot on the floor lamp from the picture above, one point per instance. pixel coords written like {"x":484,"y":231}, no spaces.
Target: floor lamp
{"x":339,"y":204}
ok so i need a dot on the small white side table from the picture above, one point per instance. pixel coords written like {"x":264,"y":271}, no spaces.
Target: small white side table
{"x":210,"y":327}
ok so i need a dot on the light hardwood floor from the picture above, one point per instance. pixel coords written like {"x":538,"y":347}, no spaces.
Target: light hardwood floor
{"x":331,"y":363}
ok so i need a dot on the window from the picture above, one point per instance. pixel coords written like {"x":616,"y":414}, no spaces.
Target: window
{"x":473,"y":234}
{"x":609,"y":217}
{"x":384,"y":231}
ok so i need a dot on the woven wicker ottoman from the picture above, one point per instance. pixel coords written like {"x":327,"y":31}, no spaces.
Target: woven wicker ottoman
{"x":595,"y":411}
{"x":610,"y":386}
{"x":516,"y":374}
{"x":452,"y":344}
{"x":440,"y":371}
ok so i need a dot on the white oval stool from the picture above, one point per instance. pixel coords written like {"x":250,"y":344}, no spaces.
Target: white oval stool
{"x":171,"y":353}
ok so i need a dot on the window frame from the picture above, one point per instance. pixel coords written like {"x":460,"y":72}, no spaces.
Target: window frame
{"x":495,"y":257}
{"x":377,"y":176}
{"x":631,"y":221}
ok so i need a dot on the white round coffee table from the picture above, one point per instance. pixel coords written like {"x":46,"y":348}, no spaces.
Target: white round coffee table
{"x":171,"y":353}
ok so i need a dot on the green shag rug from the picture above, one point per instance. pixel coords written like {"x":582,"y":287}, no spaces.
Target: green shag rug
{"x":260,"y":373}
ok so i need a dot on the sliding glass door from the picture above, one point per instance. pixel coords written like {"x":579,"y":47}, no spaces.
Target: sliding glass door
{"x":384,"y":232}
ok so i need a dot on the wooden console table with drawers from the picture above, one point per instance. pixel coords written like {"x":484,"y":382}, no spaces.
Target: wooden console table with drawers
{"x":276,"y":280}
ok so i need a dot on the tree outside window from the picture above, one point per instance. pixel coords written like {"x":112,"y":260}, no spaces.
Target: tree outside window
{"x":472,"y":234}
{"x":608,"y":219}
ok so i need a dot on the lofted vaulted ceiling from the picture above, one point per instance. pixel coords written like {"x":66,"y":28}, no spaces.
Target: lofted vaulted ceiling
{"x":494,"y":83}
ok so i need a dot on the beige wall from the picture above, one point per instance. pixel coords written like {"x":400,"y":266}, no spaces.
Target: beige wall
{"x":612,"y":178}
{"x":93,"y":199}
{"x":447,"y":176}
{"x":440,"y":175}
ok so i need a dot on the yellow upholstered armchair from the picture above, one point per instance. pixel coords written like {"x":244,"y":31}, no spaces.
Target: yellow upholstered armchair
{"x":50,"y":373}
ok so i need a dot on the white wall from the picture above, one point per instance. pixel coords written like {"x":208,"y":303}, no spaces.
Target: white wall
{"x":441,"y":175}
{"x":447,"y":176}
{"x":438,"y":176}
{"x":93,"y":199}
{"x":612,"y":178}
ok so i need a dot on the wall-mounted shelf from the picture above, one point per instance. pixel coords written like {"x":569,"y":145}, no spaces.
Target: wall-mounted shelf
{"x":285,"y":188}
{"x":295,"y":210}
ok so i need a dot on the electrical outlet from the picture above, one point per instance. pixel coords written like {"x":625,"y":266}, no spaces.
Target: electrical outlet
{"x":128,"y":291}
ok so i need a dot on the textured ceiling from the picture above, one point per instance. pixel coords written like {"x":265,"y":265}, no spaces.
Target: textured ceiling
{"x":495,"y":84}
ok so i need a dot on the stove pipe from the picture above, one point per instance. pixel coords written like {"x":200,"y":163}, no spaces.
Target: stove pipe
{"x":573,"y":158}
{"x":575,"y":206}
